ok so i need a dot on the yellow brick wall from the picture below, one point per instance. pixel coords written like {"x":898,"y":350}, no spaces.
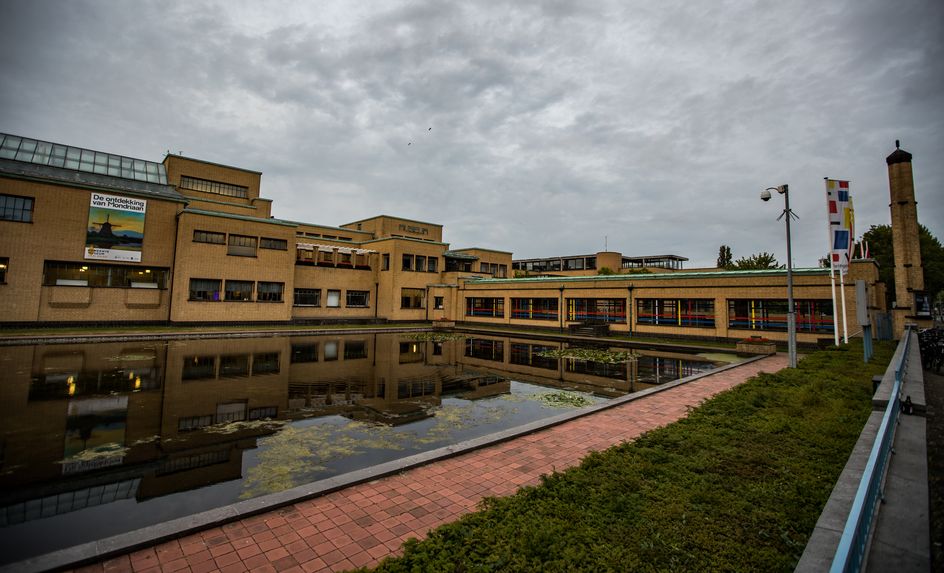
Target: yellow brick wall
{"x":58,"y":233}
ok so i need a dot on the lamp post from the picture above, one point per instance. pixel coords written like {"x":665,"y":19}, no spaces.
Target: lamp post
{"x":791,"y":311}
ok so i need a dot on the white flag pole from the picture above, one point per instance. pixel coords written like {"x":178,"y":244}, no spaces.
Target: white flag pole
{"x":842,"y":292}
{"x":832,"y":267}
{"x":832,"y":283}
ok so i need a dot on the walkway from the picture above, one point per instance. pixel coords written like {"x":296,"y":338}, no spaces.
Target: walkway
{"x":363,"y":524}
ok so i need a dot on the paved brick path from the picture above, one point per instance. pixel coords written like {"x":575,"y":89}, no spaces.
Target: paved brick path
{"x":362,"y":524}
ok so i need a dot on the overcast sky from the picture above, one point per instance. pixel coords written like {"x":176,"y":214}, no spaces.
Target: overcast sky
{"x":557,"y":127}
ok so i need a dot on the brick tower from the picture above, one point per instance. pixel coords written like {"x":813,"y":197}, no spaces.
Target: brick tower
{"x":909,"y":273}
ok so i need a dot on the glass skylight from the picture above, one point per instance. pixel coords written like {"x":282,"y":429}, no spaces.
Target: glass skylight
{"x":56,"y":155}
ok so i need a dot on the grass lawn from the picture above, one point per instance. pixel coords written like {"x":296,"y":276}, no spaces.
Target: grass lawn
{"x":736,"y":486}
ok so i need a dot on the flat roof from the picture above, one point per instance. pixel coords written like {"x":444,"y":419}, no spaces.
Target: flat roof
{"x":182,"y":156}
{"x":392,"y":217}
{"x":271,"y":221}
{"x":671,"y":257}
{"x":653,"y":276}
{"x":481,"y":249}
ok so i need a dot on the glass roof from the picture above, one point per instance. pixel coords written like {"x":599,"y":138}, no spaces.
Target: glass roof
{"x":78,"y":159}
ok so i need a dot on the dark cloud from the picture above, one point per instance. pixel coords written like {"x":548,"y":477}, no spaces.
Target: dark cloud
{"x":555,"y":124}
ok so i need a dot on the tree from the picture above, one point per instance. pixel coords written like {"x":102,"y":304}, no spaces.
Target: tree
{"x":763,"y":260}
{"x":724,"y":257}
{"x":879,"y":239}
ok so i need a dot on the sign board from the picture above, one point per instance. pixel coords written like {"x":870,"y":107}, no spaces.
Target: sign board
{"x":862,"y":303}
{"x":115,"y":230}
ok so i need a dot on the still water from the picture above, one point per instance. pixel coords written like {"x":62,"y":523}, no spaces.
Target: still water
{"x":101,"y":439}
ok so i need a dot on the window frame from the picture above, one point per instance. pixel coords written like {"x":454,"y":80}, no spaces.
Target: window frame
{"x":348,"y":294}
{"x":270,"y":296}
{"x":406,"y":298}
{"x":234,"y":249}
{"x":12,"y":209}
{"x":218,"y":291}
{"x":273,"y":244}
{"x":201,"y":236}
{"x":316,"y":292}
{"x":234,"y":282}
{"x":328,"y":298}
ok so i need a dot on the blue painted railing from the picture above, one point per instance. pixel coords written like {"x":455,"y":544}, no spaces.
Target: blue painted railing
{"x":850,"y":554}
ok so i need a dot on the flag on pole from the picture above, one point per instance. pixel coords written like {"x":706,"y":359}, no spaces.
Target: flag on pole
{"x":841,"y":224}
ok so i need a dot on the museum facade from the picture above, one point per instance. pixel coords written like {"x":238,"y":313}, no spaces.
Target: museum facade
{"x":93,"y":237}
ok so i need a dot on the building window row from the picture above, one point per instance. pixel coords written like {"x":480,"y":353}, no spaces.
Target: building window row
{"x":214,"y":290}
{"x":771,"y":314}
{"x":15,"y":208}
{"x":534,"y":308}
{"x":419,"y":263}
{"x":676,"y":312}
{"x":494,"y":269}
{"x":239,"y":245}
{"x":308,"y":352}
{"x":217,"y":187}
{"x":326,"y":257}
{"x":609,"y":310}
{"x":56,"y":273}
{"x":322,"y":236}
{"x":210,"y":367}
{"x":493,"y":307}
{"x":312,"y":297}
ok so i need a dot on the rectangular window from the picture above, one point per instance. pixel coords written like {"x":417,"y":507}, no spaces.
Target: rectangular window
{"x":502,"y":271}
{"x":607,"y":310}
{"x":269,"y":292}
{"x":205,"y":289}
{"x":412,"y":297}
{"x":191,"y":423}
{"x":432,"y":264}
{"x":385,"y":262}
{"x":355,"y":349}
{"x":265,"y":363}
{"x":302,"y":353}
{"x":99,"y":275}
{"x":217,"y":187}
{"x":13,"y":208}
{"x":209,"y":237}
{"x":438,"y":302}
{"x":490,"y":307}
{"x":234,"y":365}
{"x":264,"y":412}
{"x":420,"y":263}
{"x":274,"y":244}
{"x":199,"y":368}
{"x":483,"y":267}
{"x":485,"y":349}
{"x":334,"y":299}
{"x":4,"y":263}
{"x":764,"y":314}
{"x":308,"y":297}
{"x":241,"y":246}
{"x":357,"y":298}
{"x":239,"y":290}
{"x":530,"y":355}
{"x":676,"y":312}
{"x":408,"y":262}
{"x":534,"y":308}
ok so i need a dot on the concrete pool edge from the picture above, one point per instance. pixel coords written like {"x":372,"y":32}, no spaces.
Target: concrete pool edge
{"x":92,"y":551}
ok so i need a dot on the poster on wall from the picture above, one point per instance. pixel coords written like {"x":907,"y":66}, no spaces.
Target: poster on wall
{"x":115,"y":229}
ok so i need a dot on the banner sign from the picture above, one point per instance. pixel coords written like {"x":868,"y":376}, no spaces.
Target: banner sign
{"x":115,"y":229}
{"x":841,"y":217}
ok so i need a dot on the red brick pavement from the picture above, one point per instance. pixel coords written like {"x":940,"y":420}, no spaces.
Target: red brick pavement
{"x":362,"y":524}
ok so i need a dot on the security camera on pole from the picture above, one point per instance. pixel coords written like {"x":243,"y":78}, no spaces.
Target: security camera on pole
{"x":791,"y":310}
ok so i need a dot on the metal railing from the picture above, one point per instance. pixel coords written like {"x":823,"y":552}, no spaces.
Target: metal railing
{"x":850,"y":553}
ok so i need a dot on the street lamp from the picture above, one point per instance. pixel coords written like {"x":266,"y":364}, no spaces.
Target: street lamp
{"x":791,"y":314}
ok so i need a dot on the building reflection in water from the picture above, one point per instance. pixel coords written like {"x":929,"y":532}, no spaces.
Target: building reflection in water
{"x":84,"y":426}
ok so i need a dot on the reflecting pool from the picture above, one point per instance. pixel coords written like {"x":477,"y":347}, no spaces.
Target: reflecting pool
{"x":101,"y":439}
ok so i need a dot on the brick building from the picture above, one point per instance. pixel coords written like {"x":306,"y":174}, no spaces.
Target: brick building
{"x":87,"y":236}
